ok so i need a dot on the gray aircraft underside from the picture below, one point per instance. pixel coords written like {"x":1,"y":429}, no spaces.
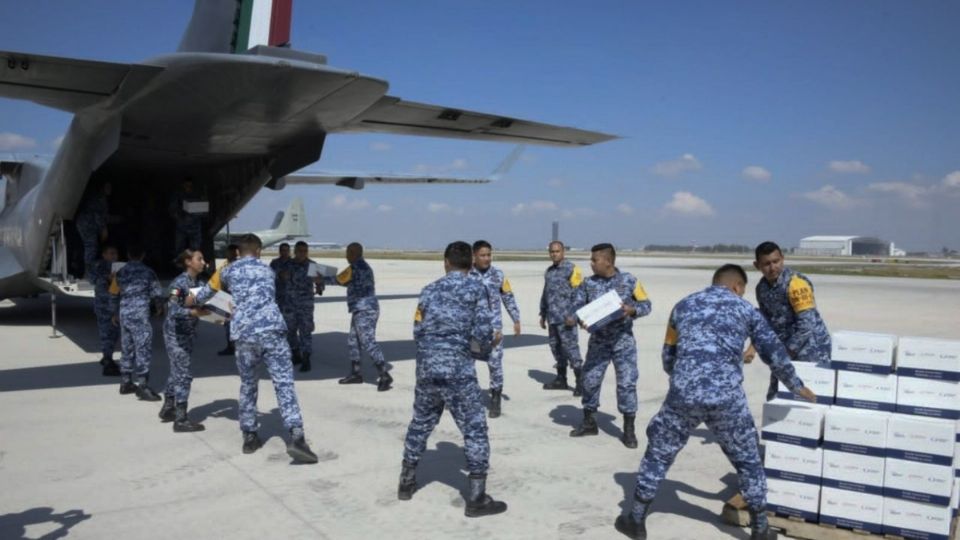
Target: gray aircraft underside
{"x":234,"y":123}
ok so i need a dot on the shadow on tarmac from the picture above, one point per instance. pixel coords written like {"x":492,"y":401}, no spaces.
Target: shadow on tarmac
{"x":444,"y":464}
{"x":271,"y":423}
{"x":668,"y":501}
{"x":571,"y":416}
{"x":14,"y":526}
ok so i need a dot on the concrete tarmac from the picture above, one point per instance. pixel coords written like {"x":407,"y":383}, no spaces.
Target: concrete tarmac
{"x":79,"y":460}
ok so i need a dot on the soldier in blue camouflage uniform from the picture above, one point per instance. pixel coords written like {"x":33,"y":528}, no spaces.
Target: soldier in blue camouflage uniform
{"x":188,"y":226}
{"x":451,"y":327}
{"x":179,"y":332}
{"x":702,"y":354}
{"x":786,"y":300}
{"x":300,"y":289}
{"x":613,"y":342}
{"x":561,"y":281}
{"x":279,"y":267}
{"x":498,"y":290}
{"x":104,"y":307}
{"x":233,"y":252}
{"x":364,"y":313}
{"x":260,"y":335}
{"x":138,"y":288}
{"x":91,"y":222}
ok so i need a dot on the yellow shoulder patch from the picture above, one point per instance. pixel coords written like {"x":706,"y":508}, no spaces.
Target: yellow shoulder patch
{"x":114,"y":287}
{"x":214,"y":282}
{"x":671,"y":337}
{"x":800,"y":294}
{"x":576,"y":277}
{"x":505,"y":288}
{"x":418,"y":316}
{"x":639,"y":294}
{"x":344,"y":277}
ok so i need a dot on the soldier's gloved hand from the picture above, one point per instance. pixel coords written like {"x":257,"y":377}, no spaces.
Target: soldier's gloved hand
{"x":516,"y":328}
{"x":807,"y":394}
{"x":543,"y":323}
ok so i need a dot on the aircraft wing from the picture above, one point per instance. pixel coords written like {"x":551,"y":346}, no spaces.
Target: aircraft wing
{"x":67,"y":84}
{"x":358,"y":181}
{"x":393,"y":115}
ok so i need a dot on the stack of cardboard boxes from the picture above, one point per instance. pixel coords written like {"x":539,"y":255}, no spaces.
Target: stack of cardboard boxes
{"x":880,"y":451}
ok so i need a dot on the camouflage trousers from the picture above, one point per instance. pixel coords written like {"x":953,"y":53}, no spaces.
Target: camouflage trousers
{"x":363,"y":335}
{"x":270,"y":348}
{"x":178,"y":336}
{"x":106,"y":330}
{"x":462,"y":397}
{"x":565,"y":345}
{"x":136,"y":343}
{"x":299,"y":319}
{"x":732,"y":425}
{"x":621,"y":349}
{"x":495,"y":363}
{"x":90,"y":237}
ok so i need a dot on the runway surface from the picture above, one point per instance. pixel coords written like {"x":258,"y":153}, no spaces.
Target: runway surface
{"x":78,"y":459}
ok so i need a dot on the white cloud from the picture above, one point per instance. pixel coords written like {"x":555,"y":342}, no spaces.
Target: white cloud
{"x":381,"y":147}
{"x":912,"y":193}
{"x":556,"y":183}
{"x":534,"y":206}
{"x":384,"y":208}
{"x":830,"y":197}
{"x":457,"y":164}
{"x":688,"y":204}
{"x":444,"y":208}
{"x":757,"y":173}
{"x":11,"y":142}
{"x":342,"y":202}
{"x":624,"y":208}
{"x":853,"y":166}
{"x":676,"y":167}
{"x":574,"y":213}
{"x":952,"y":179}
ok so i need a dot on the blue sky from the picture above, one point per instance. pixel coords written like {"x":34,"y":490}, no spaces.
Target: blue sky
{"x":742,"y":121}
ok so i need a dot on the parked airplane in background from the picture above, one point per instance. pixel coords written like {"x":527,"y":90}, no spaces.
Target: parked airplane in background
{"x":234,"y":109}
{"x":287,"y":225}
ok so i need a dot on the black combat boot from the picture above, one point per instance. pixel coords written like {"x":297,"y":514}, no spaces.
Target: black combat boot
{"x":305,"y":364}
{"x":182,"y":424}
{"x":385,"y":382}
{"x":408,"y":482}
{"x":354,"y":377}
{"x":110,"y":368}
{"x":298,"y":449}
{"x":168,"y":410}
{"x":145,"y":393}
{"x":251,"y":442}
{"x":560,"y":382}
{"x":629,"y":438}
{"x":587,"y":427}
{"x":578,"y":389}
{"x":495,"y":396}
{"x":759,"y":526}
{"x":295,"y":358}
{"x":127,"y":387}
{"x":480,"y":504}
{"x":628,"y":524}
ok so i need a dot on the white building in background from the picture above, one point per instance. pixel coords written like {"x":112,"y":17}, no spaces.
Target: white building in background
{"x":846,"y":246}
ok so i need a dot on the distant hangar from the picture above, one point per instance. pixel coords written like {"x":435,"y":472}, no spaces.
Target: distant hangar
{"x":840,"y":246}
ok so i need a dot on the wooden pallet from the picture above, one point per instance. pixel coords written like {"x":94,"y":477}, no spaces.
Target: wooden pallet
{"x":735,"y":513}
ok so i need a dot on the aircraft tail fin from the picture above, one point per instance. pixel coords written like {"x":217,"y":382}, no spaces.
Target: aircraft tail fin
{"x":294,"y":220}
{"x":235,"y":26}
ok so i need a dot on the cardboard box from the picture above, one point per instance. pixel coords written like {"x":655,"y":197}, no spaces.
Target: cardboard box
{"x":793,"y":423}
{"x":602,"y":311}
{"x":823,"y":382}
{"x":851,"y":510}
{"x":937,"y":398}
{"x":871,"y":391}
{"x":853,"y":472}
{"x":196,"y":207}
{"x":929,"y":358}
{"x":927,"y":440}
{"x":861,"y":351}
{"x":918,"y":482}
{"x":795,"y":499}
{"x":916,"y":520}
{"x":219,"y":307}
{"x":792,"y":462}
{"x":856,"y":431}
